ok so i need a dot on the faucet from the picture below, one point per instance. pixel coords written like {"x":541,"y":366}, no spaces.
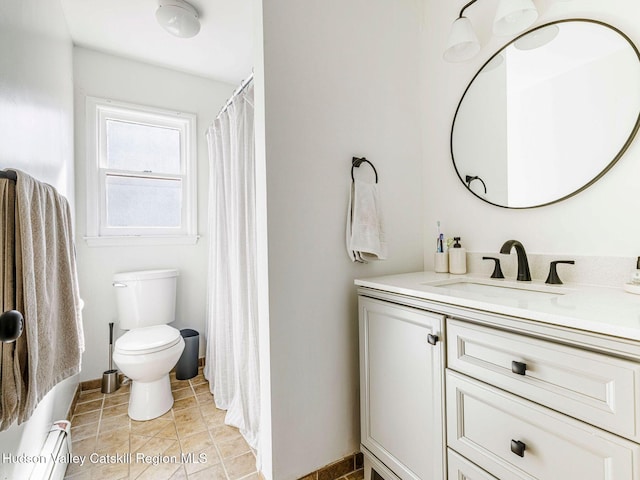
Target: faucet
{"x":523,"y":265}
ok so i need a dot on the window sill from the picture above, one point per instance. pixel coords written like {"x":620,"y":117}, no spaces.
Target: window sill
{"x":139,"y":240}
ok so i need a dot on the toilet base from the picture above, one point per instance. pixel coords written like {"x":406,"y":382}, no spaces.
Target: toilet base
{"x":150,"y":399}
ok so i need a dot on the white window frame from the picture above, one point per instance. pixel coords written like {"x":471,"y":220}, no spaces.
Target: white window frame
{"x":98,"y":111}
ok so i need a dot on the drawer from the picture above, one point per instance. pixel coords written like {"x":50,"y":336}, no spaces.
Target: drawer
{"x":459,"y":468}
{"x":489,"y":427}
{"x":599,"y":389}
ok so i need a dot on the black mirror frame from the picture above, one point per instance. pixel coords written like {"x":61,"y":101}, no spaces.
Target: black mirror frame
{"x":617,"y":157}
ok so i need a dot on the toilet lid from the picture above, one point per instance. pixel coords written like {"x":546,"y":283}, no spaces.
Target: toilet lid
{"x":147,"y":339}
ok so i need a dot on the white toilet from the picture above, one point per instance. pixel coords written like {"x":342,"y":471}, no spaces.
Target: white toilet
{"x":151,"y":348}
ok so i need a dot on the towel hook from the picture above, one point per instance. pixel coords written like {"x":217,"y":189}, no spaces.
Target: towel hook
{"x":356,"y":162}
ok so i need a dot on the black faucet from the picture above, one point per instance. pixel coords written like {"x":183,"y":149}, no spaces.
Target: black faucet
{"x":523,"y":265}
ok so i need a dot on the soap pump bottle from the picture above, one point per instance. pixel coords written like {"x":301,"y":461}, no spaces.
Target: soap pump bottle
{"x":457,"y":258}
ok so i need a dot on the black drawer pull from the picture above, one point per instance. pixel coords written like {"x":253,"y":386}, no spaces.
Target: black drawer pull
{"x":432,"y":339}
{"x":518,"y":367}
{"x":518,"y":447}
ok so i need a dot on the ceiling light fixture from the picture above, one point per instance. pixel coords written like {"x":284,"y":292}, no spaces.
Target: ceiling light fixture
{"x":178,"y":18}
{"x":512,"y":16}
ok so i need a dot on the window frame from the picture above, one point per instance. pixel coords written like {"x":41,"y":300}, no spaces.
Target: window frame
{"x":98,"y":112}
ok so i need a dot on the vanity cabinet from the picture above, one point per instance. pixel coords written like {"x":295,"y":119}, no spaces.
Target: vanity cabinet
{"x":450,"y":392}
{"x":401,"y":389}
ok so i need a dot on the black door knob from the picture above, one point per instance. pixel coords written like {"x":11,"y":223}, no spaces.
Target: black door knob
{"x":11,"y":325}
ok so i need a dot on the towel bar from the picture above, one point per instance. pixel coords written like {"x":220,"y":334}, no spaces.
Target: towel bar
{"x":356,"y":162}
{"x":10,"y":174}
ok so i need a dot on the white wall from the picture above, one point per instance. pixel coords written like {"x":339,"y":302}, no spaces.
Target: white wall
{"x":601,"y":221}
{"x":101,"y":75}
{"x":36,"y":136}
{"x":341,"y":79}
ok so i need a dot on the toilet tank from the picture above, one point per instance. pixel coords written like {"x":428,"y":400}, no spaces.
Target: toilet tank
{"x":145,"y":298}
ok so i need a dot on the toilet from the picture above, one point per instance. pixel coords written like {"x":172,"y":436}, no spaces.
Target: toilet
{"x":150,"y":348}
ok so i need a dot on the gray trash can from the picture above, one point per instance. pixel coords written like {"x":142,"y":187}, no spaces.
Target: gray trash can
{"x":187,"y":366}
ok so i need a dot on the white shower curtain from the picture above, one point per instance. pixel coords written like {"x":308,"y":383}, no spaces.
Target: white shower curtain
{"x":232,"y":324}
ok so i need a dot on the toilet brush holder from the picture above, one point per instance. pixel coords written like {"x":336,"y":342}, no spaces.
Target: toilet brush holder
{"x":110,"y":380}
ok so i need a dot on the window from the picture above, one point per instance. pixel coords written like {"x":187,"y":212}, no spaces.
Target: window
{"x":141,"y":175}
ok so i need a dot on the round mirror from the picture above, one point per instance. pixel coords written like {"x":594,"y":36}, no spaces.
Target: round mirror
{"x":548,"y":114}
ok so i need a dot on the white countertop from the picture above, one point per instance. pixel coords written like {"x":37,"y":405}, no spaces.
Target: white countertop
{"x":605,"y":310}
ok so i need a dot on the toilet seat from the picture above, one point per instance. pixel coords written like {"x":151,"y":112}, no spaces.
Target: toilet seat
{"x":145,"y":340}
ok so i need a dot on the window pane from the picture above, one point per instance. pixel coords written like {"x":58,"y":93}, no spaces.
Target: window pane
{"x":137,"y":147}
{"x":143,"y":202}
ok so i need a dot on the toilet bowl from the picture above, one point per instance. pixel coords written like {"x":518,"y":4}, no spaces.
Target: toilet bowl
{"x":146,"y":355}
{"x":150,"y":348}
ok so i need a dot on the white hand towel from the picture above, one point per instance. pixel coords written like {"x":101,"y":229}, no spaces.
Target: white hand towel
{"x":365,"y":230}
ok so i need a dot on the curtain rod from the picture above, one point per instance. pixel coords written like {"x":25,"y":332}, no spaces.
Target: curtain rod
{"x":237,"y":92}
{"x":9,"y":174}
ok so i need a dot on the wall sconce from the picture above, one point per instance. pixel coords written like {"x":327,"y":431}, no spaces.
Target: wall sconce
{"x":512,"y":16}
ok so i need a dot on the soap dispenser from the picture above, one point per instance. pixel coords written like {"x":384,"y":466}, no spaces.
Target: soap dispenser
{"x":457,"y":258}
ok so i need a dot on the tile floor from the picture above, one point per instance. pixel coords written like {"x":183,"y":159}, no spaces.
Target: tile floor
{"x":190,"y":441}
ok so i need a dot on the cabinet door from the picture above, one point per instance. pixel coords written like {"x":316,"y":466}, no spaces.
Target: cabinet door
{"x":401,"y":388}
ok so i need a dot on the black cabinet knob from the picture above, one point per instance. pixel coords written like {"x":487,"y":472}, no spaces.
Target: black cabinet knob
{"x":518,"y":367}
{"x":432,"y":339}
{"x":518,"y":447}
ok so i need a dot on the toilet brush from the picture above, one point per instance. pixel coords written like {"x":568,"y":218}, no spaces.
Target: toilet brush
{"x":110,"y":381}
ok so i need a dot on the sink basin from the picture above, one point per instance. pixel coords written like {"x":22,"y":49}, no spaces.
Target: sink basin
{"x":506,"y":291}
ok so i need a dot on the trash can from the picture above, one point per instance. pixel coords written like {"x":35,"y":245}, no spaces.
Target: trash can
{"x":187,"y":366}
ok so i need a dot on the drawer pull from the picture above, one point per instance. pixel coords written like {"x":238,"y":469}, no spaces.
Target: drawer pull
{"x":518,"y":367}
{"x":518,"y":447}
{"x":432,"y":339}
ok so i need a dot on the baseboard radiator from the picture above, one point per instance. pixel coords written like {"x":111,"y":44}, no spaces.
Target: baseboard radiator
{"x":56,"y":451}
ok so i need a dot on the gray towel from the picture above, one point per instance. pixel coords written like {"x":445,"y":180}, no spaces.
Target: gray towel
{"x":13,"y":362}
{"x":51,"y":301}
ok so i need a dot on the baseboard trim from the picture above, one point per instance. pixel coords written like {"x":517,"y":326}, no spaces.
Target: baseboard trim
{"x":96,"y":383}
{"x":350,"y":467}
{"x":74,"y":402}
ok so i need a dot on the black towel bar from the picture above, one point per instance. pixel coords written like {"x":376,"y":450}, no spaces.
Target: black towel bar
{"x":10,"y":174}
{"x":356,"y":162}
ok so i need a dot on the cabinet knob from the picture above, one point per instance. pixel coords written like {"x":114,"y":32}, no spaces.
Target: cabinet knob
{"x":432,"y":339}
{"x":518,"y":367}
{"x":518,"y":447}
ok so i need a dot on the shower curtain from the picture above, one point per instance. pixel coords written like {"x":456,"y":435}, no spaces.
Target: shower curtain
{"x":232,"y":324}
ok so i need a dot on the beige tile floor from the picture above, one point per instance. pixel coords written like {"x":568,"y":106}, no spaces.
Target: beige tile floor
{"x":190,"y":441}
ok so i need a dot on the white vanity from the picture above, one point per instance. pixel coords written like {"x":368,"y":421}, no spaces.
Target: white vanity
{"x":477,"y":379}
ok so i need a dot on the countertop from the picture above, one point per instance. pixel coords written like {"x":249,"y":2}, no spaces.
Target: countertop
{"x":604,"y":310}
